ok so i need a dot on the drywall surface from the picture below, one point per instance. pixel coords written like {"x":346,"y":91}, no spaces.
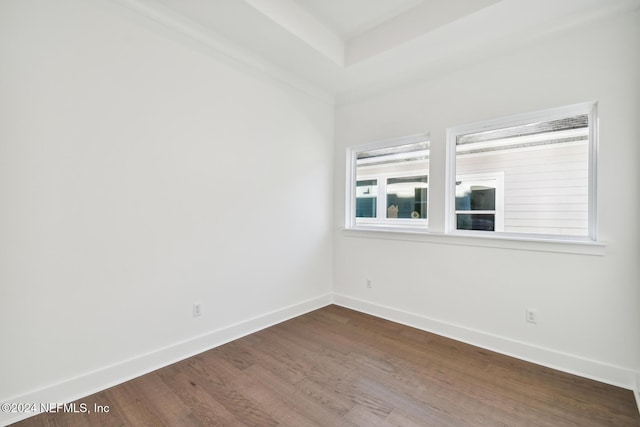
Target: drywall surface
{"x":139,"y":175}
{"x":588,"y":306}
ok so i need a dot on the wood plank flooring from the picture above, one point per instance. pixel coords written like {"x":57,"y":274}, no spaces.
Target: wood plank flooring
{"x":338,"y":367}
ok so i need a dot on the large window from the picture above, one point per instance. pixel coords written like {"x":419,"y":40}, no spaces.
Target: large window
{"x":389,"y":184}
{"x":527,"y":175}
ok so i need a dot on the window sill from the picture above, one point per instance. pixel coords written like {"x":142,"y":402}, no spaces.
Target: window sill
{"x":581,"y":247}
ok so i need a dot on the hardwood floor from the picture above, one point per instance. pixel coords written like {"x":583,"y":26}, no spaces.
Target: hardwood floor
{"x":338,"y":367}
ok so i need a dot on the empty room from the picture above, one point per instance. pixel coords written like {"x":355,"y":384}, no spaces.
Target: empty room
{"x":320,"y":212}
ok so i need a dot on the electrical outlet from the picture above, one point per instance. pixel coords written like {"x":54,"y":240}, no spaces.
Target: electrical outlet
{"x":197,"y":309}
{"x":369,"y":285}
{"x":531,"y":315}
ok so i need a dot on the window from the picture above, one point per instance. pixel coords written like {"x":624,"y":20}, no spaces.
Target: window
{"x":479,"y":202}
{"x":527,"y":175}
{"x":389,"y":184}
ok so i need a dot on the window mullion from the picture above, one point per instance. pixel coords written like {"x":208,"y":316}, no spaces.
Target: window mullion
{"x":382,"y":198}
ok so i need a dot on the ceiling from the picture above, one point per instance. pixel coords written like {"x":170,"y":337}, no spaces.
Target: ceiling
{"x":344,"y":49}
{"x":348,"y":19}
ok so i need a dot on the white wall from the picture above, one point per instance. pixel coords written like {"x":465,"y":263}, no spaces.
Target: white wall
{"x":588,"y":306}
{"x":139,"y":175}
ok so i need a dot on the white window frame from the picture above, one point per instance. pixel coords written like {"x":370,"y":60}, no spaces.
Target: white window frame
{"x":381,"y":222}
{"x":588,"y":108}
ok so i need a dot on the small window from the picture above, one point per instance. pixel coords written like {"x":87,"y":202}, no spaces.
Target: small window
{"x":479,"y":202}
{"x":527,"y":175}
{"x":389,"y":184}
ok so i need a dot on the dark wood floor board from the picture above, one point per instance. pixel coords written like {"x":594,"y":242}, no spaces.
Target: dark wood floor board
{"x":374,"y":354}
{"x":400,"y":419}
{"x":568,"y":396}
{"x":366,"y":397}
{"x":326,"y":396}
{"x":288,"y":370}
{"x":282,"y":360}
{"x":367,"y":366}
{"x":518,"y":375}
{"x":274,"y":404}
{"x":442,"y":352}
{"x":168,"y":409}
{"x":362,"y":416}
{"x":287,"y":351}
{"x":430,"y":401}
{"x":395,"y":345}
{"x":457,"y":390}
{"x":133,"y":404}
{"x":310,"y":405}
{"x":205,"y":409}
{"x":322,"y":361}
{"x":236,"y":354}
{"x":318,"y":338}
{"x":338,"y":367}
{"x":418,"y":380}
{"x":226,"y":385}
{"x":433,"y":405}
{"x":561,"y":386}
{"x":330,"y":375}
{"x":326,"y":379}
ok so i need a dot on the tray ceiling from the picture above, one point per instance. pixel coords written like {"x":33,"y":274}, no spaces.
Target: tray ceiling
{"x":348,"y":48}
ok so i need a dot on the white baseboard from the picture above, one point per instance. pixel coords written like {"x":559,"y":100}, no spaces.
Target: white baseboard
{"x":569,"y":363}
{"x":109,"y":376}
{"x":636,"y":391}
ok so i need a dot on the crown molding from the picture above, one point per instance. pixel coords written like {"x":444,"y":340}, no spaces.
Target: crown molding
{"x":181,"y":29}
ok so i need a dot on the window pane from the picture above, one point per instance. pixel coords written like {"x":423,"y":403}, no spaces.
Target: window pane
{"x":544,"y":169}
{"x":366,"y":198}
{"x":484,"y":222}
{"x":408,"y":195}
{"x":476,"y":195}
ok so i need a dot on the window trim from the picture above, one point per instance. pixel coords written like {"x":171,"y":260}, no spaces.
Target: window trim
{"x":588,"y":108}
{"x":539,"y":244}
{"x":350,"y":190}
